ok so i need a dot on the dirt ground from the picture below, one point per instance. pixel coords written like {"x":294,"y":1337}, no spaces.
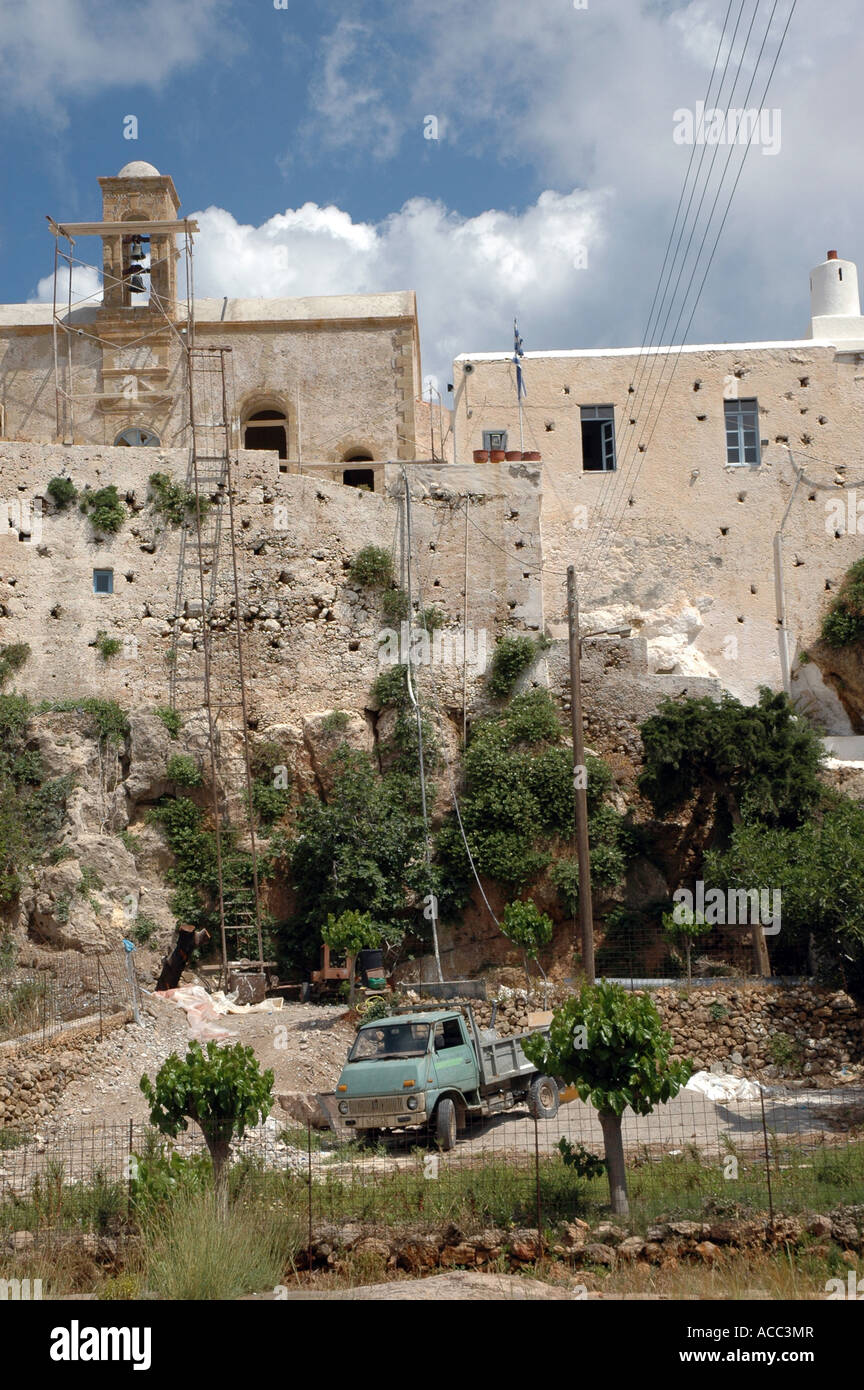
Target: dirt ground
{"x":303,"y":1044}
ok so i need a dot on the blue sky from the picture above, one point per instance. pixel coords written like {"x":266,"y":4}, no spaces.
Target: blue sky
{"x":297,"y":136}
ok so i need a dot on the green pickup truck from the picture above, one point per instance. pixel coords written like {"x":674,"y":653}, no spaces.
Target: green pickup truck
{"x":434,"y":1069}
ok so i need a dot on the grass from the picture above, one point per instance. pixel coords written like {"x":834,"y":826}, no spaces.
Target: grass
{"x":196,"y":1251}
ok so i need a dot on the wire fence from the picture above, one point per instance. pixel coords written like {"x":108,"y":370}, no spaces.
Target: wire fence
{"x":783,"y":1150}
{"x":37,"y":1004}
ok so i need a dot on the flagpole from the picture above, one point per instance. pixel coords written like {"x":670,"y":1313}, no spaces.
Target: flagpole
{"x":520,"y":385}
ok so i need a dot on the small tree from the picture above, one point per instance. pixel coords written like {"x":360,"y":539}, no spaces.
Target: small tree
{"x":686,"y":926}
{"x":610,"y":1044}
{"x":529,"y":928}
{"x":222,"y":1090}
{"x":352,"y":932}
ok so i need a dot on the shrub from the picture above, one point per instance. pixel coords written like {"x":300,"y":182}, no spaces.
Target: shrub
{"x":431,"y":619}
{"x":511,"y":657}
{"x":372,"y":568}
{"x":108,"y":721}
{"x":335,"y":722}
{"x":843,"y":624}
{"x":183,"y":770}
{"x":395,"y":605}
{"x":390,"y":688}
{"x":12,"y":658}
{"x":62,"y":491}
{"x":104,"y":509}
{"x":107,"y":646}
{"x":269,"y":802}
{"x":171,"y":718}
{"x":173,"y":500}
{"x":143,"y":929}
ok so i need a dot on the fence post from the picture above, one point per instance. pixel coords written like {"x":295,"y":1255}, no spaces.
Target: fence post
{"x":309,"y":1185}
{"x":99,"y":989}
{"x":767,"y":1155}
{"x":537,"y":1184}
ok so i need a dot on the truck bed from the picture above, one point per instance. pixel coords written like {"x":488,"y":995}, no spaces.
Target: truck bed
{"x":502,"y":1059}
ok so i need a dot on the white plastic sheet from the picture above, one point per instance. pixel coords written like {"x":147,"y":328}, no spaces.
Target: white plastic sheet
{"x":203,"y":1010}
{"x":723,"y":1088}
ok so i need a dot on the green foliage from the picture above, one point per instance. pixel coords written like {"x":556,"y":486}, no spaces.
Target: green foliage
{"x":171,"y":718}
{"x":685,"y":927}
{"x":104,"y":508}
{"x":372,"y":568}
{"x":62,"y":491}
{"x":173,"y":500}
{"x":194,"y":874}
{"x":107,"y":646}
{"x":352,"y":931}
{"x":390,"y":688}
{"x":583,"y":1163}
{"x":511,"y":657}
{"x":527,"y":927}
{"x":610,"y":1044}
{"x":758,"y":763}
{"x":31,"y":810}
{"x":785,"y":1052}
{"x":517,"y":801}
{"x":107,"y":721}
{"x":843,"y":624}
{"x":221,"y":1088}
{"x":12,"y":658}
{"x":378,"y":1007}
{"x":269,"y":802}
{"x":430,"y":619}
{"x":335,"y":722}
{"x":395,"y":605}
{"x":183,"y":770}
{"x":362,"y":848}
{"x":143,"y":929}
{"x":819,"y":869}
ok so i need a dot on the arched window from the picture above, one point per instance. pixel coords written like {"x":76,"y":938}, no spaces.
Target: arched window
{"x":267,"y":429}
{"x":136,"y":436}
{"x":357,"y":456}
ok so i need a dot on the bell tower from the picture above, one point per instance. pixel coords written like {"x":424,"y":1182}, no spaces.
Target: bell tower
{"x":139,"y":193}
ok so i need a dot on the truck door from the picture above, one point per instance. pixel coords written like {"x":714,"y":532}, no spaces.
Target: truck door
{"x":455,"y":1063}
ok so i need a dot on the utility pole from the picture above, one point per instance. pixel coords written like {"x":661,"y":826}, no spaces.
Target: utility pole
{"x":580,"y":780}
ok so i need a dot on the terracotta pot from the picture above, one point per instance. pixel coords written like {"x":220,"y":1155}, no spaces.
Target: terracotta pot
{"x":533,"y":457}
{"x":497,"y":455}
{"x":481,"y":455}
{"x":513,"y":456}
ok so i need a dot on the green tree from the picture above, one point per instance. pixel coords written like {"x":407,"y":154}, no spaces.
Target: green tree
{"x":352,"y":932}
{"x":843,"y":624}
{"x":611,"y":1046}
{"x":685,"y":926}
{"x":222,"y":1089}
{"x":528,"y":928}
{"x":819,"y":870}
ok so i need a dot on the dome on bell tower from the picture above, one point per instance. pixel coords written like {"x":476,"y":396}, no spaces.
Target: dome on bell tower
{"x":138,"y":169}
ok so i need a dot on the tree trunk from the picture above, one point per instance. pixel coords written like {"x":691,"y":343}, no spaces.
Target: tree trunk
{"x":527,"y":976}
{"x":761,"y":962}
{"x":614,"y":1147}
{"x":352,"y":973}
{"x":688,"y":948}
{"x":220,"y":1152}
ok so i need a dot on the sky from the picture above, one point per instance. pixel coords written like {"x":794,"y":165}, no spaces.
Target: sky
{"x":501,"y":158}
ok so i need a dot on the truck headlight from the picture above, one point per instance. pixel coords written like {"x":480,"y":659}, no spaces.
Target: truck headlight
{"x":343,"y":1107}
{"x":413,"y":1102}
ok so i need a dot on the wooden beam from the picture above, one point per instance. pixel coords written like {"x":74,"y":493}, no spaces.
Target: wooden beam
{"x":73,"y":229}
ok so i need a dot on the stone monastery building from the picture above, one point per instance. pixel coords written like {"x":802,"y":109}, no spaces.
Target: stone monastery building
{"x":708,"y":496}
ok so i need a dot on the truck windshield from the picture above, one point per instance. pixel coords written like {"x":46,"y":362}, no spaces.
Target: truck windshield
{"x":390,"y":1040}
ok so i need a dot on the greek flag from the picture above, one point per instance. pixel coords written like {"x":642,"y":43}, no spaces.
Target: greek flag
{"x":518,"y":353}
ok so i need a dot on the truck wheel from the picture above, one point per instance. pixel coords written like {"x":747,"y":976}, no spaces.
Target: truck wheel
{"x":445,"y":1125}
{"x":543,"y":1098}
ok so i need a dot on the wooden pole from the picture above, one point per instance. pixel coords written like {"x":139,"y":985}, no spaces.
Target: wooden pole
{"x":580,"y":791}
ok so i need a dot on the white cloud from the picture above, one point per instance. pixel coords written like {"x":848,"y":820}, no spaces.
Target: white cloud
{"x":348,"y":107}
{"x":86,"y":284}
{"x":76,"y":48}
{"x":471,"y":274}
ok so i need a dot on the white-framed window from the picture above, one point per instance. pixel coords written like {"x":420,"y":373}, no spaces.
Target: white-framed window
{"x":598,"y":438}
{"x":137,"y":437}
{"x":742,"y":431}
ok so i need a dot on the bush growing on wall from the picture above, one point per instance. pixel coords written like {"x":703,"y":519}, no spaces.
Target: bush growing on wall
{"x":372,"y":568}
{"x":843,"y":624}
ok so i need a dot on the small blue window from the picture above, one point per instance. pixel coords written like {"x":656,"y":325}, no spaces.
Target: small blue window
{"x":103,"y":581}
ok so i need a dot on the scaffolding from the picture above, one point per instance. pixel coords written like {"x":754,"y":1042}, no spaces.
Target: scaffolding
{"x":207,"y":672}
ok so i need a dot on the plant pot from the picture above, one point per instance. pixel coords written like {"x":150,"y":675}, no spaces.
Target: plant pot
{"x":532,"y":457}
{"x":481,"y":455}
{"x":513,"y":456}
{"x":497,"y":455}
